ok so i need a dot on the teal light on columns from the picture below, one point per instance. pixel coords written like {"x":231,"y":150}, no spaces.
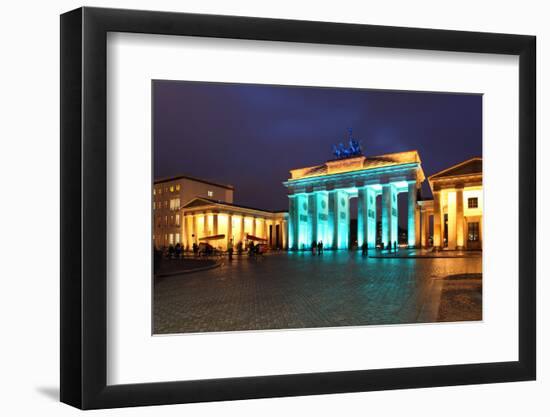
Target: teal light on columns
{"x":371,"y":218}
{"x":322,"y":216}
{"x":333,"y":218}
{"x":411,"y":215}
{"x":389,"y":214}
{"x":313,"y":218}
{"x":303,"y":221}
{"x":342,"y":219}
{"x":292,"y":223}
{"x":394,"y":219}
{"x":362,"y":216}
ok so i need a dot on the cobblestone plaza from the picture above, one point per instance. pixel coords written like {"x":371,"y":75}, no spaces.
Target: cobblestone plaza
{"x":298,"y":290}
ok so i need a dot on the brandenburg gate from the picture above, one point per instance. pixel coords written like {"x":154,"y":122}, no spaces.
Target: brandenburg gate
{"x":319,"y":199}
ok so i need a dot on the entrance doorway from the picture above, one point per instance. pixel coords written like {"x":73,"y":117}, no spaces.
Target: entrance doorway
{"x":474,"y":241}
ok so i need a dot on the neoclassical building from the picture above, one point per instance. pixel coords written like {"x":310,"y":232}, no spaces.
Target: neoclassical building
{"x":456,"y":210}
{"x":170,"y":195}
{"x":189,"y":210}
{"x":319,"y":200}
{"x":217,"y":222}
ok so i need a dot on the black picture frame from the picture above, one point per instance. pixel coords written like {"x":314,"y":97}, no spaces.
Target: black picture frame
{"x":84,"y":207}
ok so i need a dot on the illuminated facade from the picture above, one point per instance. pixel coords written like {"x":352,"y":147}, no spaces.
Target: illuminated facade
{"x":457,"y":207}
{"x":319,"y":199}
{"x":217,"y":222}
{"x":170,"y":195}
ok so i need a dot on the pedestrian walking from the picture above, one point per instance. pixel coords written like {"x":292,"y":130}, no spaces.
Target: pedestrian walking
{"x":230,"y":249}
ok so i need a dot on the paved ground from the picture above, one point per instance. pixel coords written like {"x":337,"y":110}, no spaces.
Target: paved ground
{"x":298,"y":290}
{"x":425,"y":253}
{"x":461,"y":298}
{"x":185,"y":265}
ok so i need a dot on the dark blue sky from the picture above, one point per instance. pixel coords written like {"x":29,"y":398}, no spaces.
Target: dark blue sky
{"x":252,"y":135}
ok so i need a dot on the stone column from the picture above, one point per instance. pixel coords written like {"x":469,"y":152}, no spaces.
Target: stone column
{"x":333,"y":218}
{"x":183,"y":229}
{"x":195,"y":229}
{"x":451,"y":220}
{"x":284,"y":233}
{"x":253,"y":226}
{"x":313,"y":212}
{"x":265,"y":236}
{"x":459,"y":219}
{"x":215,"y":224}
{"x":389,"y":215}
{"x":371,"y":218}
{"x":322,"y":216}
{"x":292,"y":223}
{"x":424,"y":229}
{"x":242,"y":230}
{"x":417,"y":225}
{"x":229,"y":230}
{"x":362,"y":216}
{"x":205,"y":224}
{"x":411,"y":215}
{"x":437,"y":220}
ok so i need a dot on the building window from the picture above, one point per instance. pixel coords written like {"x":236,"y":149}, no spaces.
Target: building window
{"x":166,"y":220}
{"x":473,"y":232}
{"x":171,"y":241}
{"x":472,"y":202}
{"x":178,"y":187}
{"x":177,"y":219}
{"x":171,"y":188}
{"x":154,"y":191}
{"x":177,"y":238}
{"x":174,"y":204}
{"x":166,"y":204}
{"x":210,"y":193}
{"x":160,"y":190}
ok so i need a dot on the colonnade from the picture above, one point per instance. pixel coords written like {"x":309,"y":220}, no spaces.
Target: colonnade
{"x":324,"y":215}
{"x":200,"y":226}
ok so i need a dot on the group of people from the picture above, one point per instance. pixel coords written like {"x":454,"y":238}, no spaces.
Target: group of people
{"x":317,"y":248}
{"x":252,"y":249}
{"x":175,"y":251}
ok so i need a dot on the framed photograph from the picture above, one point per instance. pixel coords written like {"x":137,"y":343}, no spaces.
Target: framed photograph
{"x":256,"y":208}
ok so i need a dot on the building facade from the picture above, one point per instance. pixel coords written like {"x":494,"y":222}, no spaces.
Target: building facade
{"x":217,"y":223}
{"x":456,"y":211}
{"x":170,"y":195}
{"x":319,"y":200}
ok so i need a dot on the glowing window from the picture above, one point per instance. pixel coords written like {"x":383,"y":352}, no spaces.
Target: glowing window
{"x":174,"y":204}
{"x":171,"y":188}
{"x":472,"y":202}
{"x":178,"y":187}
{"x":177,"y":219}
{"x":154,"y":191}
{"x":473,"y":231}
{"x":210,"y":193}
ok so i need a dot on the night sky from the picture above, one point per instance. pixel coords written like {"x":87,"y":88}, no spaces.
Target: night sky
{"x":250,"y":136}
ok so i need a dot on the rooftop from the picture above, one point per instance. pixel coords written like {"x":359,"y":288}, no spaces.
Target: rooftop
{"x":356,"y":163}
{"x":188,"y":177}
{"x":472,"y":166}
{"x":199,"y":201}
